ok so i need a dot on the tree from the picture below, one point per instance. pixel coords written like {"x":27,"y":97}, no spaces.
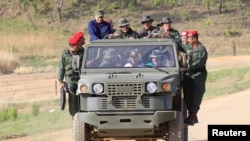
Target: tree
{"x":47,"y":7}
{"x":25,"y":4}
{"x":220,"y":6}
{"x":207,"y":3}
{"x":59,"y":8}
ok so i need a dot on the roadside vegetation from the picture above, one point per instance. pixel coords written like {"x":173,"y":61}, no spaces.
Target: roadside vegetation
{"x":34,"y":32}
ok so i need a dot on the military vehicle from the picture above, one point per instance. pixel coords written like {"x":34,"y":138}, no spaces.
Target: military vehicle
{"x":130,"y":89}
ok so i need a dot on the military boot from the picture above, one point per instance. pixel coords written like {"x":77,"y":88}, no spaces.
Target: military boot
{"x":191,"y":119}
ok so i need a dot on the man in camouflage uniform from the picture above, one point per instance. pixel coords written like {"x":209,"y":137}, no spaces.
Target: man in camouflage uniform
{"x":125,"y":30}
{"x":67,"y":72}
{"x":167,"y":31}
{"x":194,"y":77}
{"x":148,"y":30}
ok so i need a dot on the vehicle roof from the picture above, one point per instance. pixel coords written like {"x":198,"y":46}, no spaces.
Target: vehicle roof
{"x":151,"y":41}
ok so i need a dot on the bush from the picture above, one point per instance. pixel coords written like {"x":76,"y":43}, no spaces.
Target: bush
{"x":8,"y":114}
{"x":8,"y":62}
{"x":35,"y":109}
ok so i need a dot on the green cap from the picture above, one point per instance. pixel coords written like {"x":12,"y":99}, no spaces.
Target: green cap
{"x":146,"y":19}
{"x":99,"y":13}
{"x":166,"y":20}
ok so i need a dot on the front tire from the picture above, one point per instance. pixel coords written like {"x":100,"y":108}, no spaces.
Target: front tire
{"x":81,"y":130}
{"x":176,"y":128}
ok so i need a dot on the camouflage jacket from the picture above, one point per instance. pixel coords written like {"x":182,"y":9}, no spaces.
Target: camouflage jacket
{"x":65,"y":66}
{"x":197,"y":58}
{"x":130,"y":34}
{"x":173,"y":33}
{"x":150,"y":33}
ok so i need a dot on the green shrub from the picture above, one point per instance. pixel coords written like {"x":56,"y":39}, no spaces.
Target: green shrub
{"x":8,"y":114}
{"x":209,"y":22}
{"x":35,"y":109}
{"x":231,"y":32}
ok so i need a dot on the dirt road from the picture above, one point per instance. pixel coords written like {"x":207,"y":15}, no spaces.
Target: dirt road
{"x":228,"y":109}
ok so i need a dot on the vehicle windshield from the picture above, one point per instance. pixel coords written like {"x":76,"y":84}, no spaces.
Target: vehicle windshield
{"x":125,"y":56}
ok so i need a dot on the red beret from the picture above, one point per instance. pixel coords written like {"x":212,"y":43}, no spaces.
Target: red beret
{"x":79,"y":35}
{"x":73,"y":40}
{"x":192,"y":33}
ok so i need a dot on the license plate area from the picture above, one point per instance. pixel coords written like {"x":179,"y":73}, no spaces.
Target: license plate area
{"x":124,"y":89}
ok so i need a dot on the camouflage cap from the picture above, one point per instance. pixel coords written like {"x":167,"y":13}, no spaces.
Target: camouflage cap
{"x":146,"y":19}
{"x":99,"y":13}
{"x":166,"y":20}
{"x":123,"y":22}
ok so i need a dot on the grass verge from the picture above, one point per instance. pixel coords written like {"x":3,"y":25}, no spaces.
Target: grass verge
{"x":27,"y":124}
{"x":227,"y":81}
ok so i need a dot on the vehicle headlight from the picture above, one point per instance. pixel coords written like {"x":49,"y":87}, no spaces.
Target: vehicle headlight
{"x":151,"y":87}
{"x":98,"y":88}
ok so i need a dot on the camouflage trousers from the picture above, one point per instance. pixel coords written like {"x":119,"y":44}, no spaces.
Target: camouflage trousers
{"x":194,"y":89}
{"x":73,"y":100}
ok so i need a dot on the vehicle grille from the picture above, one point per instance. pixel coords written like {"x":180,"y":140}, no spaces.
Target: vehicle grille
{"x":124,"y":89}
{"x":125,"y":103}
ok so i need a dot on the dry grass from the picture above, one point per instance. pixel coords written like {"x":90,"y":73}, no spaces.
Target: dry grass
{"x":8,"y":62}
{"x":32,"y":43}
{"x":15,"y":48}
{"x":43,"y":47}
{"x":30,"y":69}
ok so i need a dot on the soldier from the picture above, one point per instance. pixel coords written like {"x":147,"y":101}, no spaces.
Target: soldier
{"x":194,"y":78}
{"x":148,"y":30}
{"x":98,"y":28}
{"x":125,"y":30}
{"x":183,"y":43}
{"x":184,"y":38}
{"x":167,"y":31}
{"x":67,"y":72}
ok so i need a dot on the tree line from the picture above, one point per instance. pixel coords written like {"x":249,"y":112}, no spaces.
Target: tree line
{"x":47,"y":6}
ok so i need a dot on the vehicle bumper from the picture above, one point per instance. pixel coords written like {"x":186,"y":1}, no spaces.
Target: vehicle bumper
{"x":126,"y":125}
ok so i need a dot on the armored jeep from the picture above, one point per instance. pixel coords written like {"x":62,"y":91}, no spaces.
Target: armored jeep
{"x":130,"y":89}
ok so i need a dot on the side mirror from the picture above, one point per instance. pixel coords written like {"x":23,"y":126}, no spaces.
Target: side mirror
{"x":76,"y":63}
